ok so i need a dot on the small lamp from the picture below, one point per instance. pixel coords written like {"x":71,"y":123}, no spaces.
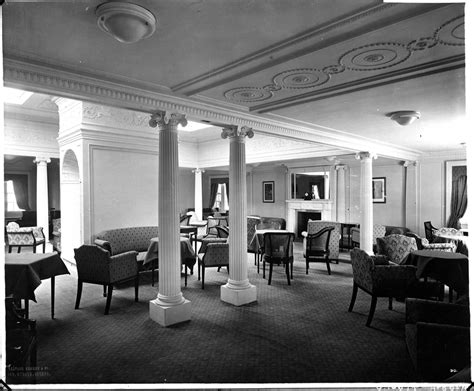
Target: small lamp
{"x":126,"y":22}
{"x":405,"y":118}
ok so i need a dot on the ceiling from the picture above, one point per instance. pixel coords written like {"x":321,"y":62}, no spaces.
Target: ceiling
{"x":337,"y":68}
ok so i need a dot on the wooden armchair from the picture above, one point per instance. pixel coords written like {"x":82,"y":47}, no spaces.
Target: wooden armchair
{"x":96,"y":266}
{"x":24,"y":237}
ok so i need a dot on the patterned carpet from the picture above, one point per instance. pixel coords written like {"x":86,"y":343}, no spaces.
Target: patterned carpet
{"x":301,"y":333}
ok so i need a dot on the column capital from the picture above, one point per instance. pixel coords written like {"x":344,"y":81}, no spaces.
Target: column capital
{"x":408,"y":163}
{"x":198,"y":171}
{"x":41,"y":159}
{"x":365,"y":155}
{"x":161,"y":120}
{"x":232,"y":131}
{"x":338,"y":167}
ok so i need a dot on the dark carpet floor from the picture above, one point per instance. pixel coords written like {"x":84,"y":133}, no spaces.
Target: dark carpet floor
{"x":294,"y":334}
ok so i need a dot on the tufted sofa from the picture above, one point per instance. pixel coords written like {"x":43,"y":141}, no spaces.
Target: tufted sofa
{"x":316,"y":225}
{"x":120,"y":240}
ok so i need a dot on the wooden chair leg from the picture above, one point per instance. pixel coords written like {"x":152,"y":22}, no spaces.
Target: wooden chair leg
{"x":373,"y":304}
{"x":203,"y":271}
{"x":185,"y":275}
{"x":354,"y":295}
{"x":79,"y":293}
{"x":257,"y":260}
{"x":44,"y":247}
{"x":307,"y":265}
{"x":34,"y":250}
{"x":263,"y":265}
{"x":110,"y":288}
{"x":152,"y":274}
{"x":19,"y":249}
{"x":270,"y":273}
{"x":9,"y":249}
{"x":136,"y":286}
{"x":291,"y":270}
{"x":328,"y":266}
{"x":390,"y":303}
{"x":287,"y":270}
{"x":105,"y":291}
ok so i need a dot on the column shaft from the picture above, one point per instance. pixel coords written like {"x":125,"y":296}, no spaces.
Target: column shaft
{"x":366,"y":207}
{"x":341,"y":193}
{"x":198,"y":192}
{"x":42,"y":207}
{"x":170,"y":307}
{"x":238,"y":290}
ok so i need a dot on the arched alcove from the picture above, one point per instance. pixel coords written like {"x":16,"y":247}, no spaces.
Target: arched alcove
{"x":71,"y":210}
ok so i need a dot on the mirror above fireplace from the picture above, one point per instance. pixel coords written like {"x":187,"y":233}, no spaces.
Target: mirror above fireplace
{"x":309,"y":183}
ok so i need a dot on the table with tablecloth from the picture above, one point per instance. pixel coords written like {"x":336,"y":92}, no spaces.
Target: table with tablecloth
{"x":24,"y":272}
{"x":449,"y":268}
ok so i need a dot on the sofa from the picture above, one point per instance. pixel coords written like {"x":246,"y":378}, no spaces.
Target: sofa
{"x":120,"y":240}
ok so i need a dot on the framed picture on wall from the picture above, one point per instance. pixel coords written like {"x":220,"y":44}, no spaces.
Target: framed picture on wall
{"x":379,"y":195}
{"x":268,"y":191}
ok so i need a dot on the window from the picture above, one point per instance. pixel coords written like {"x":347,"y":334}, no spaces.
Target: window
{"x":221,"y":202}
{"x":11,"y":204}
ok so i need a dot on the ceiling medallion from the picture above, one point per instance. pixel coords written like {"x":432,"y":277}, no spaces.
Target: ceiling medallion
{"x":405,"y":117}
{"x":126,"y":22}
{"x":248,"y":94}
{"x":451,"y":32}
{"x":374,"y":56}
{"x":300,"y":78}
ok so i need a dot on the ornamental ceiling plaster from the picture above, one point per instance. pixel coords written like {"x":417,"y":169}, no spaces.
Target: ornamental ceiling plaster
{"x":325,"y":71}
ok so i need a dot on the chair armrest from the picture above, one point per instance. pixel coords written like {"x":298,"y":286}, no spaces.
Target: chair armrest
{"x":304,"y":234}
{"x":123,"y":266}
{"x":418,"y":310}
{"x":207,"y":241}
{"x":395,"y":272}
{"x":103,"y":244}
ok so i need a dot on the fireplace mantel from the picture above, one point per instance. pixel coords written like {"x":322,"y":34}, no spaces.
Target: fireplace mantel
{"x":294,"y":206}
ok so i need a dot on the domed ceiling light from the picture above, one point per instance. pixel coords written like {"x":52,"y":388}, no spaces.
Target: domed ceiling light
{"x":405,"y":118}
{"x":126,"y":22}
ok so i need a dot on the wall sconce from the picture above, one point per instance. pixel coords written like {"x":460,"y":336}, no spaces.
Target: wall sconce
{"x":404,"y":118}
{"x":126,"y":22}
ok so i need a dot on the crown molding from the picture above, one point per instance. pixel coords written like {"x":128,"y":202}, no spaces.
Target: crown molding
{"x":319,"y":37}
{"x":66,"y":83}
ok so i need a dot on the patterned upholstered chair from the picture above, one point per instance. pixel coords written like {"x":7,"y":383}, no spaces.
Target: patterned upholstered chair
{"x":278,"y":249}
{"x":24,"y":237}
{"x":56,"y":234}
{"x":216,"y":255}
{"x":96,"y":266}
{"x":317,"y":225}
{"x":374,"y":275}
{"x":396,"y":247}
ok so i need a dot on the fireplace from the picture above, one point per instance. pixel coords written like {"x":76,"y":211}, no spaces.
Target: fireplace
{"x":322,"y":210}
{"x":302,"y":220}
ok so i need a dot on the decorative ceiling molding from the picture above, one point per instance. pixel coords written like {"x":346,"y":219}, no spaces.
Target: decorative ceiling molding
{"x":371,"y":57}
{"x":419,"y":70}
{"x":66,"y":83}
{"x":317,"y":38}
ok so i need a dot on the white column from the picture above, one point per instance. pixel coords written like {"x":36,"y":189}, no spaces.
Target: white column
{"x":238,"y":290}
{"x":326,"y":187}
{"x":340,"y":171}
{"x":198,"y":192}
{"x":170,"y":307}
{"x":366,"y":207}
{"x":42,"y":207}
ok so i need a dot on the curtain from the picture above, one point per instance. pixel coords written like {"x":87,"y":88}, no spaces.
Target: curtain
{"x":213,"y":194}
{"x":226,"y":198}
{"x":458,"y":201}
{"x":20,"y":187}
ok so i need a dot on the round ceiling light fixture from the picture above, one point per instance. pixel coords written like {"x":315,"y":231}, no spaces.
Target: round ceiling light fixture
{"x":405,"y":118}
{"x":126,"y":22}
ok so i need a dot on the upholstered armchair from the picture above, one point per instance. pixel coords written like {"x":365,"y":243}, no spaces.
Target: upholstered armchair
{"x":378,"y":232}
{"x":56,"y":234}
{"x":24,"y":237}
{"x":96,"y":266}
{"x":216,"y":255}
{"x":315,"y":226}
{"x":375,"y":276}
{"x":253,"y":246}
{"x":317,"y":247}
{"x":396,"y":247}
{"x":438,"y":338}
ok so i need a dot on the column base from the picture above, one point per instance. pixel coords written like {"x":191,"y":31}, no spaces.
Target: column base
{"x":169,"y":315}
{"x":239,"y":296}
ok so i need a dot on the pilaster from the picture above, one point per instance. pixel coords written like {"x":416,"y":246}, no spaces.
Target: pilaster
{"x":42,"y":207}
{"x":340,"y":171}
{"x":198,"y":192}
